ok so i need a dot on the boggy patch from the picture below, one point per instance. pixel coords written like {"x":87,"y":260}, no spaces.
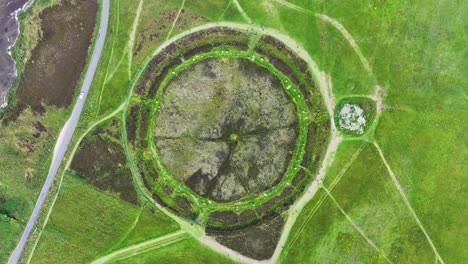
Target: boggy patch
{"x":56,"y":63}
{"x":227,"y":128}
{"x":257,"y":241}
{"x":101,"y":161}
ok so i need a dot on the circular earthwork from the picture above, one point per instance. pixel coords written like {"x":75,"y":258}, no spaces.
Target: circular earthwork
{"x":227,"y":127}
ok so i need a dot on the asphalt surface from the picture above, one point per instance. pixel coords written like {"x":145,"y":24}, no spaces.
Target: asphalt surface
{"x":66,"y":134}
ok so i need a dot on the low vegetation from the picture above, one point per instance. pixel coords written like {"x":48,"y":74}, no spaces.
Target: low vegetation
{"x":414,"y":148}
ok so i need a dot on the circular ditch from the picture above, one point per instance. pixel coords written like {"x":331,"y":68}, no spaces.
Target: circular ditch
{"x":227,"y":127}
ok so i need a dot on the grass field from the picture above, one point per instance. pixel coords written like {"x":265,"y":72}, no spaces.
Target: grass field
{"x":188,"y":250}
{"x":80,"y":229}
{"x":27,"y":137}
{"x":414,"y":50}
{"x":364,"y":191}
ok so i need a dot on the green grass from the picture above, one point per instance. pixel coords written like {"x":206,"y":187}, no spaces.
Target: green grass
{"x":417,"y":53}
{"x":186,"y":251}
{"x":23,"y":172}
{"x":367,"y":194}
{"x":427,"y":151}
{"x":328,"y":238}
{"x":86,"y":222}
{"x":147,"y":228}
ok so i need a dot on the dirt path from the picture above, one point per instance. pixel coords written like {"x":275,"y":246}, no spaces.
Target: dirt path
{"x":175,"y":20}
{"x":114,"y":38}
{"x":297,"y":207}
{"x":244,"y":15}
{"x":407,"y":203}
{"x":225,"y":10}
{"x":355,"y":226}
{"x":292,"y":6}
{"x":349,"y":38}
{"x":143,"y":247}
{"x":131,"y":41}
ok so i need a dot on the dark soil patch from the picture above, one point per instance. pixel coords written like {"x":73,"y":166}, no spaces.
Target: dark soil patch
{"x":132,"y":122}
{"x":52,"y":73}
{"x":156,"y":29}
{"x":257,"y":242}
{"x":103,"y":164}
{"x":14,"y":113}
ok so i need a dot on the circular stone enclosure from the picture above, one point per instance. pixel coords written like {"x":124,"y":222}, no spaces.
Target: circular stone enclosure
{"x":226,"y":128}
{"x":222,"y":124}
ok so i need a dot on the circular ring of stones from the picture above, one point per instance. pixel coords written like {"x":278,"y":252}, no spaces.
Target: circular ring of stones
{"x":267,"y":52}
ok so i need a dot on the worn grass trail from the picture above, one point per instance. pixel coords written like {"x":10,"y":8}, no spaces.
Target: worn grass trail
{"x":175,"y":20}
{"x":355,"y":226}
{"x":143,"y":247}
{"x":378,"y":91}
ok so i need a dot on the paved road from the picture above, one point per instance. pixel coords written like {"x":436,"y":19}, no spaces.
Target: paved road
{"x":66,"y":134}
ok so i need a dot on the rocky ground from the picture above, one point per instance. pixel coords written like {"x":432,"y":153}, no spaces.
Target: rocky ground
{"x":226,"y":128}
{"x":9,"y":31}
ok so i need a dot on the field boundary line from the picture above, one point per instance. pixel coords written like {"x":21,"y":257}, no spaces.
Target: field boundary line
{"x":242,"y":12}
{"x":67,"y":165}
{"x":143,"y":247}
{"x":175,"y":20}
{"x":407,"y":202}
{"x":355,"y":226}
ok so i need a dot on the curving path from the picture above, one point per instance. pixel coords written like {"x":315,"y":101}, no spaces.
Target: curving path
{"x":66,"y":134}
{"x":325,"y":86}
